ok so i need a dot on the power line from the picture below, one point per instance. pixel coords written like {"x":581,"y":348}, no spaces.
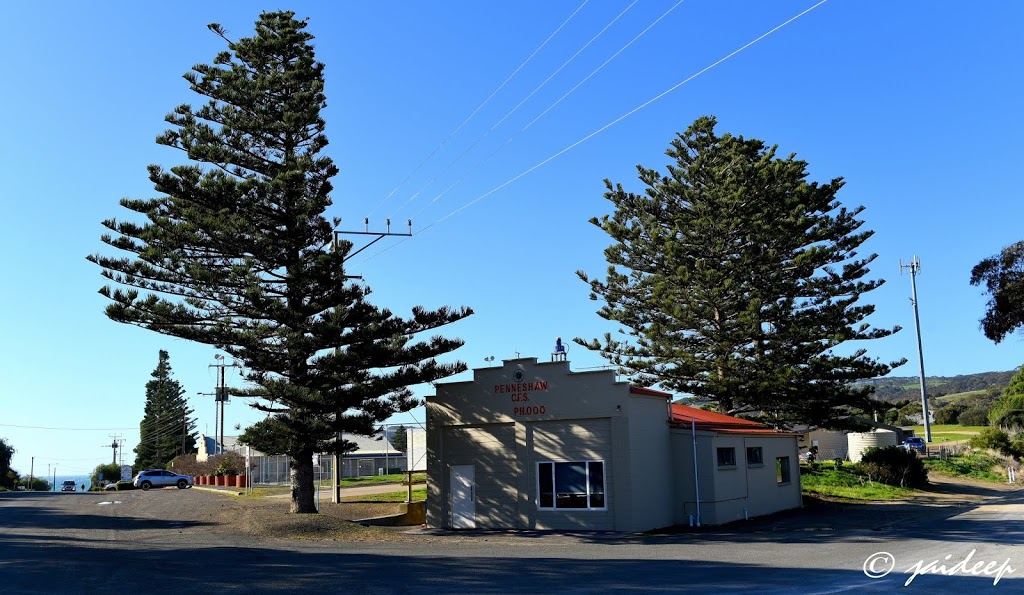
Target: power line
{"x":560,"y":99}
{"x":520,"y":104}
{"x":606,"y":126}
{"x":68,"y":429}
{"x":479,"y":107}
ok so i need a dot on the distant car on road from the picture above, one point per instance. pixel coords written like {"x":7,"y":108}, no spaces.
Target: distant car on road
{"x":161,"y":478}
{"x":69,"y":486}
{"x":915,"y":443}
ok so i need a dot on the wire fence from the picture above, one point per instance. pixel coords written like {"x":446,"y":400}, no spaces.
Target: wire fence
{"x":275,"y":469}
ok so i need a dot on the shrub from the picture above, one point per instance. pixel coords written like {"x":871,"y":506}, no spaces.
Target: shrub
{"x":992,"y":438}
{"x":894,"y":466}
{"x":228,"y":463}
{"x":124,"y":486}
{"x":973,"y":416}
{"x":948,"y":415}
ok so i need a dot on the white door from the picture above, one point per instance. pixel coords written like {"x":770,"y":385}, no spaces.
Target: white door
{"x":463,"y":504}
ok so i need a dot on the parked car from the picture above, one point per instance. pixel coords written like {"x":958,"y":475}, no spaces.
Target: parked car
{"x":69,"y":486}
{"x":161,"y":478}
{"x":915,"y":443}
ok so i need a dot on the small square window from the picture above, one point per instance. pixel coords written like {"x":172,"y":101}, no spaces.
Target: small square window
{"x":754,"y":456}
{"x":726,"y":457}
{"x":782,"y":470}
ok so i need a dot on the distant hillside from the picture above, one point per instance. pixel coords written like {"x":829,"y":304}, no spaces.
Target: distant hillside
{"x":909,"y":387}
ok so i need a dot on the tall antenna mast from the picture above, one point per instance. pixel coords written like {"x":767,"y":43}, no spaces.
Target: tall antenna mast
{"x":915,"y":268}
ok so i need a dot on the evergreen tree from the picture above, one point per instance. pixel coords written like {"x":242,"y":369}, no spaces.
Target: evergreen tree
{"x":1003,"y":277}
{"x":1008,"y":411}
{"x":167,"y":429}
{"x":6,"y":453}
{"x":399,"y":440}
{"x":738,"y":279}
{"x":236,"y":255}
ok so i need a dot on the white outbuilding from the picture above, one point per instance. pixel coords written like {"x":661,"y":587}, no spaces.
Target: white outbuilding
{"x":533,"y":445}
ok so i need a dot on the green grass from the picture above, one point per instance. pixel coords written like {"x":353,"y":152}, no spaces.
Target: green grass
{"x":396,"y":478}
{"x":957,"y":397}
{"x":977,"y":466}
{"x":374,"y":479}
{"x":846,"y":483}
{"x":948,"y":433}
{"x":402,"y":496}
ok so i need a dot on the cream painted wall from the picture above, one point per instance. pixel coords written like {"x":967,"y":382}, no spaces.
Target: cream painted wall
{"x":510,"y":417}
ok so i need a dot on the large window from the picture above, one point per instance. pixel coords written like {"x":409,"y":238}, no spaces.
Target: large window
{"x":572,"y":485}
{"x":727,"y":457}
{"x":782,"y":470}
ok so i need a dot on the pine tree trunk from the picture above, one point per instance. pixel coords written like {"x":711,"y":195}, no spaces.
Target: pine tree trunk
{"x":303,"y":490}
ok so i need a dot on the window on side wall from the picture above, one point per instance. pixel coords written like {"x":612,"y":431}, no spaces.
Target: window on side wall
{"x":577,"y":485}
{"x":782,"y":470}
{"x":727,"y":457}
{"x":754,"y":456}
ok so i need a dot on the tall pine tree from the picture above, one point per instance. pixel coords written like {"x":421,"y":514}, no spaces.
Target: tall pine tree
{"x":236,"y":254}
{"x":738,"y":280}
{"x":167,"y":428}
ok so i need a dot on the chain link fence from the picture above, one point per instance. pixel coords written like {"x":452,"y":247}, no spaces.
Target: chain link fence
{"x":274,"y":469}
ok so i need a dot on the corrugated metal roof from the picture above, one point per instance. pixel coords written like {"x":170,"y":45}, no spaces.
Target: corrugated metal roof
{"x":684,"y":417}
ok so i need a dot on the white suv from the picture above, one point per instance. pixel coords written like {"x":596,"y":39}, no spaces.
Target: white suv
{"x":160,"y":478}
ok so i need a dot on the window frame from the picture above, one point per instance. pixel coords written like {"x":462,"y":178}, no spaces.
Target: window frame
{"x":554,"y":487}
{"x":718,"y":457}
{"x":783,"y":472}
{"x":760,"y":456}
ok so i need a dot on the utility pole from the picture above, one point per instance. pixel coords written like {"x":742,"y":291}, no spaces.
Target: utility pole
{"x":220,"y":398}
{"x":915,"y":267}
{"x":115,"y":444}
{"x":184,"y":431}
{"x":366,"y":232}
{"x":215,"y":407}
{"x":31,"y":474}
{"x":338,"y":463}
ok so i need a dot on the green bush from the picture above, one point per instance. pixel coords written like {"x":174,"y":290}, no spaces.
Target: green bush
{"x":948,"y":415}
{"x":893,"y":466}
{"x":992,"y":438}
{"x":124,"y":486}
{"x":973,"y":416}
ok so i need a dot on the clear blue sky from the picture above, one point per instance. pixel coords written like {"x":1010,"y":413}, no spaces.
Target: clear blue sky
{"x":916,"y":104}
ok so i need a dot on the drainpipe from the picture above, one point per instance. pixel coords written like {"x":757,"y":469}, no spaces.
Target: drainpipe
{"x":696,"y":479}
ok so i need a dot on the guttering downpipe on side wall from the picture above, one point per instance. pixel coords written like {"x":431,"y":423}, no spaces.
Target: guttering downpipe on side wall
{"x":696,"y":479}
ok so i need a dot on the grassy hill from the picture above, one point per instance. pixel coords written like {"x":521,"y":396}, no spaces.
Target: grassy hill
{"x":898,"y":388}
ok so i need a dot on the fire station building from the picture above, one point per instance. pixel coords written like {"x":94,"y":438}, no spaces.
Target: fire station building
{"x":530,"y":445}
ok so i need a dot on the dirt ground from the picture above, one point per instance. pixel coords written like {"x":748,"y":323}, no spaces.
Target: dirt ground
{"x":268,"y":517}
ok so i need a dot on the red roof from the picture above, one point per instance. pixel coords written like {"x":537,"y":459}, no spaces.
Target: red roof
{"x":684,"y":417}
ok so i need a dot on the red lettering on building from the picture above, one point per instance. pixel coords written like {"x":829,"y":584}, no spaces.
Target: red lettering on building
{"x":520,"y":387}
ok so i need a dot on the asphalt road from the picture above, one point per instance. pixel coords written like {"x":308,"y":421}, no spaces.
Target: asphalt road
{"x":172,"y":540}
